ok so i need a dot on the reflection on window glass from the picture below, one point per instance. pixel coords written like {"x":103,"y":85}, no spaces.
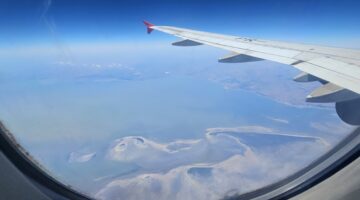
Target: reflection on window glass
{"x":113,"y":111}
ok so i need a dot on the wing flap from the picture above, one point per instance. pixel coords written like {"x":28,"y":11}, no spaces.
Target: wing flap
{"x":332,"y":71}
{"x":329,"y":93}
{"x":305,"y":77}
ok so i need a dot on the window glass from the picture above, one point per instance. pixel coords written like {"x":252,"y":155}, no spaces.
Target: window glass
{"x":120,"y":114}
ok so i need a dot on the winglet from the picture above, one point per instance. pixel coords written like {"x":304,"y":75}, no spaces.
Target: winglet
{"x":148,"y":26}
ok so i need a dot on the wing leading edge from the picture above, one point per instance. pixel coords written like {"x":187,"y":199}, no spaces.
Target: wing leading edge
{"x":338,"y":69}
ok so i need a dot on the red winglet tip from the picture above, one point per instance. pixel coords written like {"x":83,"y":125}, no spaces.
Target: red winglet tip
{"x":148,"y":26}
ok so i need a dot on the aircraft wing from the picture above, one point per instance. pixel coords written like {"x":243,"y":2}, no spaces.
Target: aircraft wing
{"x":338,"y":69}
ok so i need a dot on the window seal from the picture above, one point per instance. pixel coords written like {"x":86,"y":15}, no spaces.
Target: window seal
{"x":32,"y":170}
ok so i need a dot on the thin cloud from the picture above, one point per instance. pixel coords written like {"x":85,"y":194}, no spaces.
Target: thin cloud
{"x":279,"y":120}
{"x":76,"y":157}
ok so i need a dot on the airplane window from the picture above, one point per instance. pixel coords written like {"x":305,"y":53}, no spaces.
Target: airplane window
{"x":121,"y":114}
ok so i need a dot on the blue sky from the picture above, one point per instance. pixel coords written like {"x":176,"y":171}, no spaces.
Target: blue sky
{"x":322,"y":21}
